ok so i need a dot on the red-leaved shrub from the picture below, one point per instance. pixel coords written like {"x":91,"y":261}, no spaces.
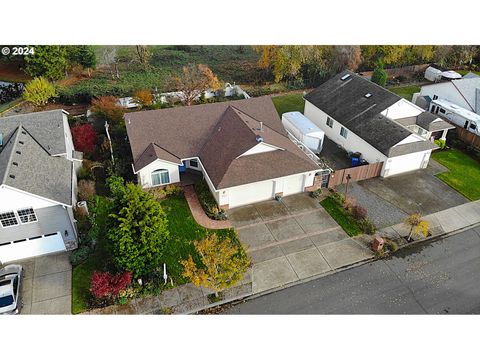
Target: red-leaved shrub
{"x":359,"y":212}
{"x":106,"y":285}
{"x":84,"y":138}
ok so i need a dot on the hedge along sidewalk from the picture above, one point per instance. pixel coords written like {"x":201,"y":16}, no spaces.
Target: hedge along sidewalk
{"x":199,"y":215}
{"x":183,"y":299}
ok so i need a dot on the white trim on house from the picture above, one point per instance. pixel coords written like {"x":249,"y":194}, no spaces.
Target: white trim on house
{"x":260,"y":148}
{"x":33,"y":195}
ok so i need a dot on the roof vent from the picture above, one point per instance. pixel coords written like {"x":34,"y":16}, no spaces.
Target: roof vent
{"x":18,"y":152}
{"x":259,"y":138}
{"x":21,"y":142}
{"x":345,"y":77}
{"x":261,"y":126}
{"x":12,"y":176}
{"x":23,"y":132}
{"x":15,"y":163}
{"x":367,"y":95}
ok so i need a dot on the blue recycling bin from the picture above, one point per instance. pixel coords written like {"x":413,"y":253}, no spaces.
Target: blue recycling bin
{"x":355,"y":159}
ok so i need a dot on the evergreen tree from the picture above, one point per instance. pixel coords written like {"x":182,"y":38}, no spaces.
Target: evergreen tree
{"x":49,"y":61}
{"x":379,"y":75}
{"x":137,"y":230}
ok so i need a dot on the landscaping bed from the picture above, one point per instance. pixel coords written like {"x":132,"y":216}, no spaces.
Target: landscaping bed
{"x":351,"y":217}
{"x":463,"y":172}
{"x":208,"y":202}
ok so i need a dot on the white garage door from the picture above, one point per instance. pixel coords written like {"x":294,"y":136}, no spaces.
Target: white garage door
{"x":31,"y":247}
{"x":293,"y":185}
{"x":248,"y":194}
{"x":405,"y":163}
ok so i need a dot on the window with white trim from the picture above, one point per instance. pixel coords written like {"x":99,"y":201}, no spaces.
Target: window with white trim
{"x":344,"y":132}
{"x":160,"y":177}
{"x":329,"y":122}
{"x":8,"y":219}
{"x":27,"y":215}
{"x":194,"y":163}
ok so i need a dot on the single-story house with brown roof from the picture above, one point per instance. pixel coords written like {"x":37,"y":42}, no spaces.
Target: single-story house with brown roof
{"x":240,"y":147}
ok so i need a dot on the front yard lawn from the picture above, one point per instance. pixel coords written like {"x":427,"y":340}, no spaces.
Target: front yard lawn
{"x":405,"y":91}
{"x":184,"y":230}
{"x":463,"y":172}
{"x":341,"y":216}
{"x":290,"y":102}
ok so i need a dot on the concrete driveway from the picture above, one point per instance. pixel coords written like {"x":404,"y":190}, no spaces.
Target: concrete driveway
{"x":390,"y":200}
{"x":47,"y":286}
{"x":293,"y":240}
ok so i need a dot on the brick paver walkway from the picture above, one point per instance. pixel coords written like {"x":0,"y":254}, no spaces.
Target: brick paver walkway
{"x":199,"y":215}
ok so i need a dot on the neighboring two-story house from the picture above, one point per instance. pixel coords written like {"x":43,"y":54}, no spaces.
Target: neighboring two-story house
{"x":364,"y":117}
{"x":38,"y":180}
{"x":240,"y":147}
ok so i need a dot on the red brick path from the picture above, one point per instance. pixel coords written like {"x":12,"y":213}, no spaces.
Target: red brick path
{"x":199,"y":215}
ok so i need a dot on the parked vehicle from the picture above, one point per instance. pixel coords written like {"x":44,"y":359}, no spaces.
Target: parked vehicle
{"x":10,"y":289}
{"x":456,"y":115}
{"x":304,"y":130}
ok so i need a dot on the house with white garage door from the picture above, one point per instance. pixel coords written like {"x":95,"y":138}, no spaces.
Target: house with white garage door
{"x":240,"y":147}
{"x":361,"y":116}
{"x":37,"y":185}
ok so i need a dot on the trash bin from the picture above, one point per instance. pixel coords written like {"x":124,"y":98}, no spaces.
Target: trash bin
{"x":356,"y":158}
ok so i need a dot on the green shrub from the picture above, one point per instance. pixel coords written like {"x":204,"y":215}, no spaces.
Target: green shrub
{"x":390,"y":245}
{"x":441,"y":143}
{"x":316,"y":194}
{"x":367,"y":226}
{"x":208,"y":202}
{"x":79,"y":255}
{"x":164,"y":192}
{"x":338,"y":197}
{"x":84,"y":174}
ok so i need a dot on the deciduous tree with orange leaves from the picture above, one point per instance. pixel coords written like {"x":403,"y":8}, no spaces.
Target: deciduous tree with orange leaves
{"x":223,"y":264}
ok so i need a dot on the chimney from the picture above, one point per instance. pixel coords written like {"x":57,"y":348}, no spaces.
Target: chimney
{"x":261,"y":126}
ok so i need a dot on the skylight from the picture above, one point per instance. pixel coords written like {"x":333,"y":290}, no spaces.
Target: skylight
{"x":367,"y":95}
{"x":345,"y":77}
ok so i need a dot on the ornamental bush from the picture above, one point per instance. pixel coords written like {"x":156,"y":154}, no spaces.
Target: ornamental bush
{"x":359,"y":212}
{"x":84,"y":138}
{"x":39,"y":91}
{"x":106,"y":285}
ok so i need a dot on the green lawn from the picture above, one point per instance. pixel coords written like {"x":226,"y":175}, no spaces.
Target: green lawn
{"x":290,"y":102}
{"x":96,"y":262}
{"x":184,"y":230}
{"x":463,"y":174}
{"x":405,"y":91}
{"x":340,"y":215}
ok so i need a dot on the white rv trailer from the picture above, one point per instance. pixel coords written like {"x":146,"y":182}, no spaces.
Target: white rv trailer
{"x":456,"y":115}
{"x":304,"y":130}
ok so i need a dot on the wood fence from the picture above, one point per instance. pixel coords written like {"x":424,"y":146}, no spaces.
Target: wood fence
{"x":356,"y":173}
{"x":468,"y":137}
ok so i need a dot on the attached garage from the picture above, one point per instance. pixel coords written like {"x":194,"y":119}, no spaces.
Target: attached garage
{"x":27,"y":248}
{"x":409,"y":162}
{"x":293,"y":185}
{"x":250,"y":193}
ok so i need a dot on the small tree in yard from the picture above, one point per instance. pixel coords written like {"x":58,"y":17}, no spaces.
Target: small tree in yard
{"x":39,"y":91}
{"x":379,"y":75}
{"x":223,"y":264}
{"x":84,"y":138}
{"x":417,"y":225}
{"x":143,"y":98}
{"x":137,"y":230}
{"x":107,"y":107}
{"x":193,"y":81}
{"x":108,"y":286}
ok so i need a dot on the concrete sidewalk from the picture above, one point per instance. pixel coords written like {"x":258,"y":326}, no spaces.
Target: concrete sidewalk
{"x":442,"y":222}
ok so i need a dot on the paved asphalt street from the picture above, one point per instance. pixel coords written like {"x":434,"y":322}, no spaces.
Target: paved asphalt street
{"x":435,"y":278}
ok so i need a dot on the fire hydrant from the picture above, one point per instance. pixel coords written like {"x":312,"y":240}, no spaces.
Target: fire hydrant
{"x":378,"y":243}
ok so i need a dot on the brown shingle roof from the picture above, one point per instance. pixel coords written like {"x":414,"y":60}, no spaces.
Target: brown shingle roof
{"x":218,"y":134}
